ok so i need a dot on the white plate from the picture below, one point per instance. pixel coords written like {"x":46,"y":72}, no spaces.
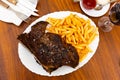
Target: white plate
{"x":93,"y":12}
{"x":30,"y":63}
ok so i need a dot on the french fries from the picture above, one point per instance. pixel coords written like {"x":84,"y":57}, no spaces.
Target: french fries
{"x":74,"y":30}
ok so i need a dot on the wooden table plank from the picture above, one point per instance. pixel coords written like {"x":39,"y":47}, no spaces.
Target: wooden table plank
{"x":104,"y":65}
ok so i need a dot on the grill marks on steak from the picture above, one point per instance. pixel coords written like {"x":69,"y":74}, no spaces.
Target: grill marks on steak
{"x":49,"y":49}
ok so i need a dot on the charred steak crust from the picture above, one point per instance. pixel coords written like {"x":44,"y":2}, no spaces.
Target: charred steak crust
{"x":49,"y":48}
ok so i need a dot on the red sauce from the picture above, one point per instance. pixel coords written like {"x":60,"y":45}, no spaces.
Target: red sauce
{"x":89,"y":4}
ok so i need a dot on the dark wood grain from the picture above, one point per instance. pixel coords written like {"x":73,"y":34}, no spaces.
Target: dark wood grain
{"x":104,"y":65}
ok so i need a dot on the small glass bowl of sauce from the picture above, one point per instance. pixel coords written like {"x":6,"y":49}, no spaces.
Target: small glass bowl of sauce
{"x":89,"y":4}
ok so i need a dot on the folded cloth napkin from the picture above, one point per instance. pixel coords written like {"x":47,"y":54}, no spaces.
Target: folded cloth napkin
{"x":10,"y":17}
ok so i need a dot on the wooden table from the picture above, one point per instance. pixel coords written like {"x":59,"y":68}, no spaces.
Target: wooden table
{"x":104,"y":65}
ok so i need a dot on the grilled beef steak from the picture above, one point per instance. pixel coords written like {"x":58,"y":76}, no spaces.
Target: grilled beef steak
{"x":49,"y":49}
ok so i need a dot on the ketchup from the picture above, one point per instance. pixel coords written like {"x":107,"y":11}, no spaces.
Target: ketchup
{"x":89,"y":4}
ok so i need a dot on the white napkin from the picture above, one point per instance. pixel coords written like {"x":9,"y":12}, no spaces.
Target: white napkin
{"x":10,"y":17}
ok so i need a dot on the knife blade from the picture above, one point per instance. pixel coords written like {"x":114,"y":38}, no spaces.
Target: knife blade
{"x":18,"y":14}
{"x":21,"y":9}
{"x":24,"y":3}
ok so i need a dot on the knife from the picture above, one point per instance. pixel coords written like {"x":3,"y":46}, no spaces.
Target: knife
{"x":21,"y":9}
{"x":24,"y":3}
{"x":18,"y":14}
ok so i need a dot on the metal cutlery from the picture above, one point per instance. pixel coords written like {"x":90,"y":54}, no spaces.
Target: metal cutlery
{"x":18,"y":14}
{"x":20,"y":8}
{"x":24,"y":3}
{"x":100,"y":6}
